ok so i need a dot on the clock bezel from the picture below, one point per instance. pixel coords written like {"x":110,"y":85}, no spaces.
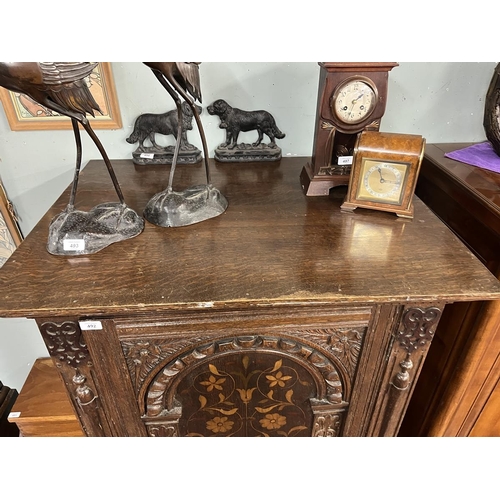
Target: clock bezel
{"x":357,"y":123}
{"x":363,"y":192}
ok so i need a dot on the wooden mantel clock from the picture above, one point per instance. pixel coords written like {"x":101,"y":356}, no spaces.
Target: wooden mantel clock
{"x":351,"y":98}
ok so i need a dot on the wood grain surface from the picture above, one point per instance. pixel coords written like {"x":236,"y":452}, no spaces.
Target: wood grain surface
{"x":273,"y":246}
{"x":43,"y":404}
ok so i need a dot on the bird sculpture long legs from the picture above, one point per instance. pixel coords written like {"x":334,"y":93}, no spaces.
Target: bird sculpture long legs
{"x":61,"y":87}
{"x":75,"y":232}
{"x":174,"y":90}
{"x":198,"y":203}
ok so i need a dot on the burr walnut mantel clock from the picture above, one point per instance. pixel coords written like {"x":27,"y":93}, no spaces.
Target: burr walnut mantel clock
{"x":351,"y":98}
{"x":385,"y":172}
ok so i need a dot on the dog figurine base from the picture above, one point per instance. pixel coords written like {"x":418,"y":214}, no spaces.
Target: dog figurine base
{"x":74,"y":232}
{"x":234,"y":121}
{"x":164,"y":156}
{"x":247,"y":153}
{"x":195,"y":204}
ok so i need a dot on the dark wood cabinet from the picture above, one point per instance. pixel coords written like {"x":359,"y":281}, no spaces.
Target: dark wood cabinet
{"x":281,"y":317}
{"x":458,"y":393}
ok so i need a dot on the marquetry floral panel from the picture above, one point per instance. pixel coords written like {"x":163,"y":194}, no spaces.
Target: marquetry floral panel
{"x":254,"y":394}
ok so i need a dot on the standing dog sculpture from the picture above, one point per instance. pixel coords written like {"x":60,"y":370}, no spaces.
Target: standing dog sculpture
{"x":236,"y":120}
{"x":146,"y":126}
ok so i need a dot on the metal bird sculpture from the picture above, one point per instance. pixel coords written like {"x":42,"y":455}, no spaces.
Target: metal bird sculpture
{"x":198,"y":203}
{"x":61,"y":87}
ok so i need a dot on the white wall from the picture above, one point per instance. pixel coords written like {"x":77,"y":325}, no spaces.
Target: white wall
{"x":441,"y":101}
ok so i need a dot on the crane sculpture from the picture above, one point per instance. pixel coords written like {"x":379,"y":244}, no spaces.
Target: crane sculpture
{"x":61,"y":87}
{"x":170,"y":208}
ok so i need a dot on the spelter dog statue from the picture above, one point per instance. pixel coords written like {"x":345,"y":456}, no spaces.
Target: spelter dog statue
{"x":146,"y":127}
{"x":234,"y":121}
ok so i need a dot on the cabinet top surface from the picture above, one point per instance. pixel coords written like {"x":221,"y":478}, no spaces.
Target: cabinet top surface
{"x":273,"y":246}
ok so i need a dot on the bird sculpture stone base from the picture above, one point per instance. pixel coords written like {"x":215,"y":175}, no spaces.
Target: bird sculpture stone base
{"x":74,"y":232}
{"x":195,"y":204}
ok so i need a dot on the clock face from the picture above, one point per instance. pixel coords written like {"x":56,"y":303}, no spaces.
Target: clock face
{"x":382,"y":181}
{"x":354,"y":101}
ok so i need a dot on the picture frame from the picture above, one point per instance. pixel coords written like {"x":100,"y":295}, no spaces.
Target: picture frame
{"x":10,"y":232}
{"x":25,"y":114}
{"x":384,"y":173}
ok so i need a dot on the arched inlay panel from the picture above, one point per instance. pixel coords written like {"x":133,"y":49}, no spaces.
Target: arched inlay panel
{"x":247,"y":394}
{"x":247,"y":386}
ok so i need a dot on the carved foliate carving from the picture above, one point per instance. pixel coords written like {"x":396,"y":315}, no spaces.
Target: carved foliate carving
{"x":344,"y":343}
{"x":144,"y":355}
{"x":327,"y":377}
{"x":417,"y":327}
{"x":327,"y":425}
{"x":65,"y":343}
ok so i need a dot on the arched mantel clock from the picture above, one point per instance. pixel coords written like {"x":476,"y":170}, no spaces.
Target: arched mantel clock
{"x":351,"y":98}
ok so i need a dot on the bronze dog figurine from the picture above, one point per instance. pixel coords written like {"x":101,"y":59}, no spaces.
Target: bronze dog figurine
{"x":149,"y":124}
{"x":235,"y":120}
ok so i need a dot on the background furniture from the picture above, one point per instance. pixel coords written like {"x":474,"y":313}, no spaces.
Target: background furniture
{"x":458,"y":393}
{"x":7,"y":398}
{"x":283,"y":316}
{"x":43,"y":408}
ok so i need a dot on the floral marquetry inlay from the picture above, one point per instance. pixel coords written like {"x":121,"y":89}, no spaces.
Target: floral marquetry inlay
{"x":252,"y":396}
{"x":253,"y":385}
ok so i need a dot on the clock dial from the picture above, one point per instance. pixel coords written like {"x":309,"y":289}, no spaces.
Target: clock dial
{"x":354,"y":101}
{"x":382,"y":181}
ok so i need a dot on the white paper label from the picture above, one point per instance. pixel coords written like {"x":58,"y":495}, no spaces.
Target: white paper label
{"x":14,"y":414}
{"x":73,"y":245}
{"x":90,"y":325}
{"x":345,"y":160}
{"x":148,"y":155}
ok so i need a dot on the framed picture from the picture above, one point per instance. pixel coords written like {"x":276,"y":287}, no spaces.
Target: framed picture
{"x":10,"y":233}
{"x":25,"y":114}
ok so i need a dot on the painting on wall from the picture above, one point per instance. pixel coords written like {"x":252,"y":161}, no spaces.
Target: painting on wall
{"x":10,"y":233}
{"x":25,"y":114}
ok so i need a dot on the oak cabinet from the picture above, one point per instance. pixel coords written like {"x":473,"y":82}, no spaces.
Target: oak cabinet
{"x":281,"y":317}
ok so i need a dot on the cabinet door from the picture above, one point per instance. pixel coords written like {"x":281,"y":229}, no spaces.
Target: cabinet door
{"x":229,"y":377}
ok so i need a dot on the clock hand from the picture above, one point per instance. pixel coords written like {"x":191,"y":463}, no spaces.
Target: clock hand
{"x":382,"y":180}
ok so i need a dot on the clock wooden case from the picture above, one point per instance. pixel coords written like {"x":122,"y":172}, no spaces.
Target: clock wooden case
{"x":351,"y":98}
{"x":385,"y":172}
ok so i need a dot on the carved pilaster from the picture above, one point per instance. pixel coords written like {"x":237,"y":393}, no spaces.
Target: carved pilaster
{"x":412,"y":341}
{"x":66,"y":346}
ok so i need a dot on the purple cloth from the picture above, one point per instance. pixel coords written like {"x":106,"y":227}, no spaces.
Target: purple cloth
{"x":479,"y":155}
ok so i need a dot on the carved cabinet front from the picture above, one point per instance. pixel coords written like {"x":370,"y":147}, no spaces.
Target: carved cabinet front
{"x":291,"y":371}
